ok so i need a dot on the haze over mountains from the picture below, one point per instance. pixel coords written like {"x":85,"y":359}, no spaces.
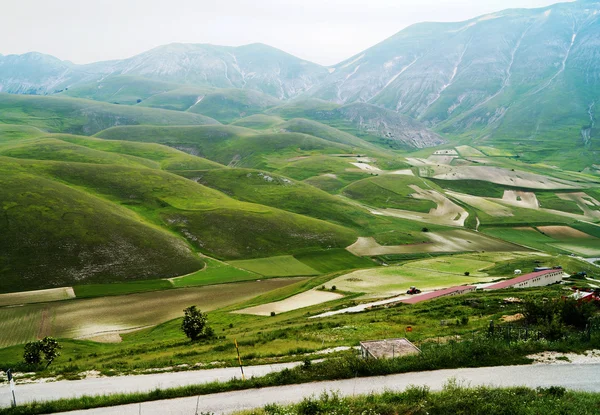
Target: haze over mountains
{"x":496,"y":77}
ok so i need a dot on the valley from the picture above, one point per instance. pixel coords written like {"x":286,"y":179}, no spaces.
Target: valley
{"x":295,"y":204}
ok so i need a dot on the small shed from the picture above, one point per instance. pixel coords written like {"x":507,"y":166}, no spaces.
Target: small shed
{"x":387,"y":349}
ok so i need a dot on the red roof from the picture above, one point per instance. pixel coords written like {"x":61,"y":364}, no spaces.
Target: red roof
{"x":439,"y":293}
{"x":522,"y":278}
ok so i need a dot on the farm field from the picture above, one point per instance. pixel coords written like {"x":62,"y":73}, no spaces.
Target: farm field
{"x":444,"y":241}
{"x":280,"y":266}
{"x":298,"y":301}
{"x":332,"y":260}
{"x":216,"y":272}
{"x":38,"y":296}
{"x":428,"y":274}
{"x":555,"y":239}
{"x":91,"y":317}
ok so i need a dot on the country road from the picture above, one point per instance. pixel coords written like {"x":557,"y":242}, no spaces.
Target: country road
{"x":573,"y":376}
{"x":135,"y":383}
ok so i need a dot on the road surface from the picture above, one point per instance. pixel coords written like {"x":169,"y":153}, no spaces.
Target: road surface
{"x":572,"y":376}
{"x":135,"y":383}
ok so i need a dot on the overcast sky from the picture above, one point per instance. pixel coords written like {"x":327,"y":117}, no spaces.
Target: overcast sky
{"x":322,"y":31}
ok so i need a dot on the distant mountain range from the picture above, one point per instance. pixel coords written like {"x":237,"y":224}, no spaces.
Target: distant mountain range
{"x":521,"y":74}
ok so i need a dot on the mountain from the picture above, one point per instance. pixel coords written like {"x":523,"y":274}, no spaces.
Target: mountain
{"x":515,"y":74}
{"x":255,"y":67}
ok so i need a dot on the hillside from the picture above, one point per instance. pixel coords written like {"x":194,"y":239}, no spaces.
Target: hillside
{"x":78,"y":116}
{"x":256,"y":67}
{"x":497,"y":77}
{"x":228,"y":145}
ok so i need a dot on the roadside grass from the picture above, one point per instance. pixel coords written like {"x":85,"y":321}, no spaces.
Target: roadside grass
{"x":454,"y":398}
{"x":278,"y":266}
{"x":478,"y":352}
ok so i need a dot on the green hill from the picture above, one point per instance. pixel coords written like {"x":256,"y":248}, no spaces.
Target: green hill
{"x":78,"y":116}
{"x":259,"y":121}
{"x":123,"y":89}
{"x":229,"y":145}
{"x":52,"y":234}
{"x":227,"y":105}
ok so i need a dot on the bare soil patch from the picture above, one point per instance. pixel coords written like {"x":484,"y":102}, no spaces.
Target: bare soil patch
{"x":305,"y":299}
{"x":564,"y":232}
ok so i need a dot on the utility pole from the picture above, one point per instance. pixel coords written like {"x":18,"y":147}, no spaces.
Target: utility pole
{"x":239,"y":359}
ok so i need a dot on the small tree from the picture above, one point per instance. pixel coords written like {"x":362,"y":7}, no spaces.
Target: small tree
{"x":33,"y":353}
{"x":194,"y":322}
{"x":48,"y":346}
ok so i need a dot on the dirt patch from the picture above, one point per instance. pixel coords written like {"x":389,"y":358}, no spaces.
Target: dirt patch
{"x":38,"y":296}
{"x":514,"y":317}
{"x":405,"y":172}
{"x":413,"y":161}
{"x":367,"y":167}
{"x":106,"y":338}
{"x":485,"y":205}
{"x":445,"y":153}
{"x":445,"y":207}
{"x":496,"y":175}
{"x":586,"y":203}
{"x":521,"y":199}
{"x":447,"y":241}
{"x":564,"y":232}
{"x":441,"y":159}
{"x":305,"y":299}
{"x":557,"y":358}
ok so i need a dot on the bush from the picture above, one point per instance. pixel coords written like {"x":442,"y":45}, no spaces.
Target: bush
{"x":48,"y":346}
{"x":194,"y":322}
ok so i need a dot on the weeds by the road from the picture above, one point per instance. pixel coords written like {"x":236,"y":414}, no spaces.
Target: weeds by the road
{"x":476,"y":352}
{"x":453,"y":399}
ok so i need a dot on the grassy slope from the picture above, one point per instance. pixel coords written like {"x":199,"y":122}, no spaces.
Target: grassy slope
{"x":123,"y":89}
{"x":78,"y":116}
{"x":52,"y":235}
{"x":227,"y":105}
{"x":229,"y":145}
{"x":390,"y":191}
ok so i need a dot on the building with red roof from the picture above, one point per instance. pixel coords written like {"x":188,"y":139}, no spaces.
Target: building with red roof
{"x":534,"y":279}
{"x":439,"y":293}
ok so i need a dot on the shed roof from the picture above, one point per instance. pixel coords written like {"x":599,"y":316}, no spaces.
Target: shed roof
{"x":382,"y":349}
{"x":439,"y":293}
{"x":522,"y":278}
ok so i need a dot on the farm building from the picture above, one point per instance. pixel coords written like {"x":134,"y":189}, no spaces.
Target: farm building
{"x":387,"y":349}
{"x":534,"y":279}
{"x":462,"y":289}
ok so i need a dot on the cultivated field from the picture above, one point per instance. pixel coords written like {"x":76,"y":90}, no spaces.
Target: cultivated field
{"x":445,"y":241}
{"x":429,"y":274}
{"x":305,"y":299}
{"x":39,"y":296}
{"x":99,"y":316}
{"x":279,"y":266}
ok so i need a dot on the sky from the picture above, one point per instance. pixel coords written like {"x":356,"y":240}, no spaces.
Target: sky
{"x":321,"y":31}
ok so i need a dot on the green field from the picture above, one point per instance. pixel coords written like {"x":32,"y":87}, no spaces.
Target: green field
{"x":280,"y":266}
{"x":332,"y":260}
{"x":427,"y":274}
{"x":216,"y":272}
{"x":390,"y":191}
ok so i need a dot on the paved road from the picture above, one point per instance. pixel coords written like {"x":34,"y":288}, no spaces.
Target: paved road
{"x":136,"y":383}
{"x":580,"y":377}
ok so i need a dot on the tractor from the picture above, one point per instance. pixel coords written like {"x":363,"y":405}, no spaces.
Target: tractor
{"x":413,"y":291}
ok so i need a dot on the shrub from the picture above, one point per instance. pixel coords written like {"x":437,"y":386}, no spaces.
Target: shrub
{"x":194,"y":322}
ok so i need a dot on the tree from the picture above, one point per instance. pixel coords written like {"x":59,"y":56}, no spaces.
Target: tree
{"x":194,"y":323}
{"x":48,"y":346}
